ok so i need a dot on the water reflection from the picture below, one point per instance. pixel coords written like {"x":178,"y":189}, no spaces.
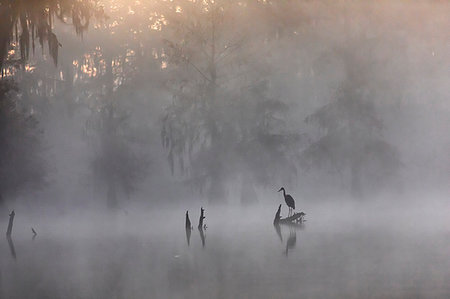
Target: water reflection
{"x":278,"y":231}
{"x":202,"y":235}
{"x":292,"y":238}
{"x":188,"y":235}
{"x":11,"y":246}
{"x":34,"y":233}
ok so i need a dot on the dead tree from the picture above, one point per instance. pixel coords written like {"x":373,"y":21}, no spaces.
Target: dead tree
{"x":10,"y":224}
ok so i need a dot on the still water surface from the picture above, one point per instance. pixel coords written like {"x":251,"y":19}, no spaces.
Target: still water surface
{"x":342,"y":251}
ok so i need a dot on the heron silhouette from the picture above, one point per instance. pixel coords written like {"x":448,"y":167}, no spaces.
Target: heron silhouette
{"x":290,"y":202}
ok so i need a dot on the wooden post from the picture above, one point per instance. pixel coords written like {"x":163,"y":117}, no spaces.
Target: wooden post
{"x":10,"y":224}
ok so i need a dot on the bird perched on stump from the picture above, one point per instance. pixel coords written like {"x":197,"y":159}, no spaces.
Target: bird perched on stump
{"x":290,"y":202}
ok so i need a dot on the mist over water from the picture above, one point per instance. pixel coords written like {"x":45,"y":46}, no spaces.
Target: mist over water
{"x":342,"y":251}
{"x":120,"y":119}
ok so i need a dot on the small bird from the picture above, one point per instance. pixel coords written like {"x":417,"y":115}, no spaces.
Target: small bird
{"x":289,"y":200}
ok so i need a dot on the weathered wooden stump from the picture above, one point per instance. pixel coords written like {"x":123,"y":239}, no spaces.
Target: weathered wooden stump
{"x":201,"y":226}
{"x":296,"y":219}
{"x":188,"y":228}
{"x":202,"y":217}
{"x":10,"y":224}
{"x":188,"y":221}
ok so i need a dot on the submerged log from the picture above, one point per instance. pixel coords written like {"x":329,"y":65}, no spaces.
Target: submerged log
{"x":10,"y":224}
{"x":297,"y":218}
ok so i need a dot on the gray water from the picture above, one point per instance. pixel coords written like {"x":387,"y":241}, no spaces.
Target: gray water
{"x":342,"y":251}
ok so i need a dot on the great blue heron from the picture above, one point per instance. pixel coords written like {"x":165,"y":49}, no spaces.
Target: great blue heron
{"x":289,"y":200}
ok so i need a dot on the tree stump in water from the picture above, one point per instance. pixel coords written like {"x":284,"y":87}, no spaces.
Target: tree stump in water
{"x":188,"y":221}
{"x":201,"y":226}
{"x":188,"y":228}
{"x":10,"y":224}
{"x":296,"y":219}
{"x":200,"y":221}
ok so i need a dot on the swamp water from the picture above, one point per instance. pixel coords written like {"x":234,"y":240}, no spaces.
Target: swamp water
{"x":342,"y":251}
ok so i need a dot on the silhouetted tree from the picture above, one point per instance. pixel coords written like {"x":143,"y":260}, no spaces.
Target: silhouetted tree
{"x":215,"y":78}
{"x":119,"y":160}
{"x":351,"y":141}
{"x":21,"y":165}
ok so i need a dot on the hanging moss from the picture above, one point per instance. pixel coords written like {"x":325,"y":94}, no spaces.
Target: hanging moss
{"x":22,"y":20}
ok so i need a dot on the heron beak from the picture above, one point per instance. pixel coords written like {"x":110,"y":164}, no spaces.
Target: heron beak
{"x":280,"y":190}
